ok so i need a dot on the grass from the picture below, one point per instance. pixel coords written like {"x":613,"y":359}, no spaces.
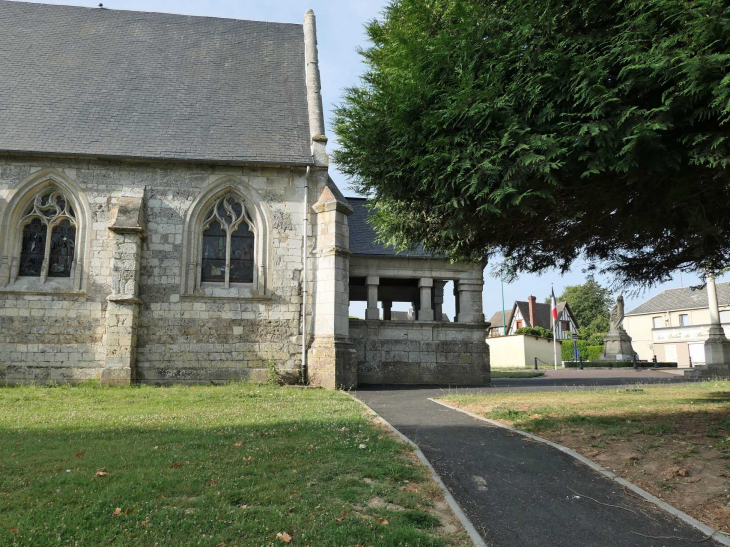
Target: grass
{"x":516,"y":374}
{"x":651,"y":410}
{"x":673,"y":440}
{"x":214,"y":466}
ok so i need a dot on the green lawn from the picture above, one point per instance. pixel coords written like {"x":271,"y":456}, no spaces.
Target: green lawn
{"x":213,"y":466}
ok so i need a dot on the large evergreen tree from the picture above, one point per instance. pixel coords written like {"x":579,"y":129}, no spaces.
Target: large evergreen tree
{"x":541,"y":131}
{"x":590,"y":303}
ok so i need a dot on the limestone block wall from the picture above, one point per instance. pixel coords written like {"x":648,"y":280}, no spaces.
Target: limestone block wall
{"x":414,"y":352}
{"x":58,"y":331}
{"x":50,"y":339}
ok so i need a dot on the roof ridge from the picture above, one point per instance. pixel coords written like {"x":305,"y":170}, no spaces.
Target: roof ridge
{"x":121,"y":10}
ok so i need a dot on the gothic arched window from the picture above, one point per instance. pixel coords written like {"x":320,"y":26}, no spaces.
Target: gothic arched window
{"x":48,"y":236}
{"x":228,"y":243}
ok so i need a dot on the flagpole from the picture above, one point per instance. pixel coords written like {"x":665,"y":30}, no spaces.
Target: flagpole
{"x":555,"y":334}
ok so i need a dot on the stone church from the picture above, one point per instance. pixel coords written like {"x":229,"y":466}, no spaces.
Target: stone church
{"x":166,"y":215}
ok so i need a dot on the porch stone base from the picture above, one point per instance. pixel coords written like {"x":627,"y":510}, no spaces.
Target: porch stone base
{"x":415,"y":352}
{"x":332,"y":363}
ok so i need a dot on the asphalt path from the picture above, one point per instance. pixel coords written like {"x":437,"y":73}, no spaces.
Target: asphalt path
{"x":522,"y":493}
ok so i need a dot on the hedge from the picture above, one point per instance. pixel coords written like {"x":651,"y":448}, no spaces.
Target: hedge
{"x":616,"y":364}
{"x":588,"y":353}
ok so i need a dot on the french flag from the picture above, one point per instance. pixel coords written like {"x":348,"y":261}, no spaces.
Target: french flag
{"x":554,"y":308}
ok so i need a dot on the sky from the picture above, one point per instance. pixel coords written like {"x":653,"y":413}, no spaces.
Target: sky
{"x":340,"y":32}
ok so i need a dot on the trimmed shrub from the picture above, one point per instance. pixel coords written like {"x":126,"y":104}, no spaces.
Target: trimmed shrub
{"x":588,"y":353}
{"x":542,"y":332}
{"x":594,"y":352}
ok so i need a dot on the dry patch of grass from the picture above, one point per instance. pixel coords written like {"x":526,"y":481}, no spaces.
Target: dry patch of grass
{"x":673,"y":441}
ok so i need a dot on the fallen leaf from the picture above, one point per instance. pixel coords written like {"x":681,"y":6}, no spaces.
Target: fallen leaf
{"x":239,"y":443}
{"x":283,"y":536}
{"x":79,"y":454}
{"x":176,"y":464}
{"x":101,"y":473}
{"x":211,"y":482}
{"x":382,"y":521}
{"x":344,"y":514}
{"x":117,"y":512}
{"x":14,"y":530}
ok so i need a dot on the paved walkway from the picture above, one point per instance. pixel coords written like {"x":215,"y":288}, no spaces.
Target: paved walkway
{"x":520,"y":493}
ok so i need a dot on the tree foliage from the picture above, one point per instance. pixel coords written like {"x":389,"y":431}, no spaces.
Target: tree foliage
{"x":591,"y":304}
{"x":543,"y":131}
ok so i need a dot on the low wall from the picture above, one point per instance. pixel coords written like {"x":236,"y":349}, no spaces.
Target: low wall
{"x":520,"y":350}
{"x":415,"y":352}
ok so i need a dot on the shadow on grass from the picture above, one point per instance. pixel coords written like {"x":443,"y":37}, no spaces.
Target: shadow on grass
{"x":650,"y":423}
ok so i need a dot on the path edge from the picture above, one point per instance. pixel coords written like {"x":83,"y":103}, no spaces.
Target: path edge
{"x":465,"y":522}
{"x":711,"y":533}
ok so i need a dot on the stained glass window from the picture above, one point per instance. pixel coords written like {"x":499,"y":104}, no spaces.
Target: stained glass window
{"x":63,"y":237}
{"x":228,"y":216}
{"x":50,"y":215}
{"x":33,"y":248}
{"x":242,"y":255}
{"x":214,"y":253}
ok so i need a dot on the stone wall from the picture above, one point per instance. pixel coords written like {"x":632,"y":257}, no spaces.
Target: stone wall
{"x":59,"y":330}
{"x":414,"y":352}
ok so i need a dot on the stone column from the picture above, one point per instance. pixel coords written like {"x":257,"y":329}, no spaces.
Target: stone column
{"x":127,"y":227}
{"x":387,"y":307}
{"x":425,"y":312}
{"x":470,"y":301}
{"x":372,"y":312}
{"x":332,"y":361}
{"x":438,"y":300}
{"x":457,"y":309}
{"x":716,"y":345}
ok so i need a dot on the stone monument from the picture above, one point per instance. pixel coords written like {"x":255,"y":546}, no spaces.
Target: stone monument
{"x":617,"y":343}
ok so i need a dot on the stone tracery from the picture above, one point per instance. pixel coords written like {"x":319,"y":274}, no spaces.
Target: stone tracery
{"x":228,"y":243}
{"x":48,"y":237}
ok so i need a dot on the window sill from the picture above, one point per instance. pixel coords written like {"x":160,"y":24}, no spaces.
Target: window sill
{"x":32,"y":287}
{"x":206,"y":296}
{"x":38,"y":292}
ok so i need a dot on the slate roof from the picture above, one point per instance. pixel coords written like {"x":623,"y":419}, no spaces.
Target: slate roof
{"x":108,"y":83}
{"x":496,"y":320}
{"x":362,"y":235}
{"x":682,"y":299}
